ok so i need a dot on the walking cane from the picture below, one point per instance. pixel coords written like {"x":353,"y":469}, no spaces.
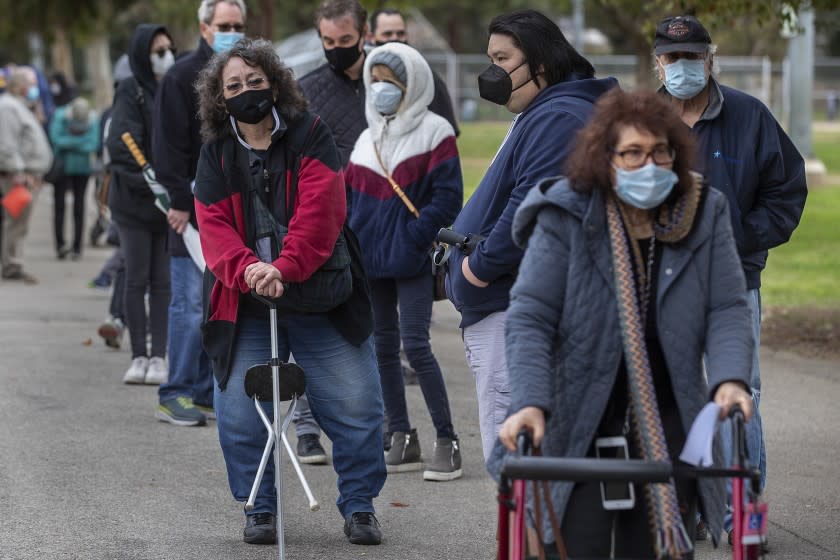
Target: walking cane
{"x":279,"y":381}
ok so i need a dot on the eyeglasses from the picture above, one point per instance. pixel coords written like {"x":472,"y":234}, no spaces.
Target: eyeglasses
{"x":253,"y":83}
{"x":162,"y":52}
{"x":662,"y":154}
{"x":225,"y":27}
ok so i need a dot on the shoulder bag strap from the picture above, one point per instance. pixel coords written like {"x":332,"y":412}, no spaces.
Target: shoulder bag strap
{"x":394,"y":185}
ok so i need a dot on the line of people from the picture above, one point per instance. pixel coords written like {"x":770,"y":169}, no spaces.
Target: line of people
{"x":610,"y":302}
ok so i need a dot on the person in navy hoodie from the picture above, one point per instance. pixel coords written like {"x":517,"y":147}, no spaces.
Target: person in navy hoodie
{"x":743,"y":152}
{"x":537,"y":75}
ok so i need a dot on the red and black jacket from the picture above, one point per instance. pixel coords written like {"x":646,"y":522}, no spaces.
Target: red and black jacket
{"x":301,"y":150}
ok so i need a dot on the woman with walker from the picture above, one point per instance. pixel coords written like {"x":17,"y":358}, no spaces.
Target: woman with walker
{"x":630,"y":276}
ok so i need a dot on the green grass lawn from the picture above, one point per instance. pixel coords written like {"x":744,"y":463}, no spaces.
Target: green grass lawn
{"x":827,"y":148}
{"x":803,"y":272}
{"x":477,"y":144}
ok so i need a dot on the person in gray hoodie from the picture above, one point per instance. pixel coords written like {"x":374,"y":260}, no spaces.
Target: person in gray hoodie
{"x":25,"y":156}
{"x":630,"y":275}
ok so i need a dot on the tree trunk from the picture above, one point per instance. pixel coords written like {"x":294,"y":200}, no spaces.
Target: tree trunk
{"x":645,"y":76}
{"x":265,"y":25}
{"x":98,"y":63}
{"x":61,"y":53}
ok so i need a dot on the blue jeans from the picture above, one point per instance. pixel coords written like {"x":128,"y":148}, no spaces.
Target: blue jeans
{"x":413,"y":298}
{"x":756,"y":454}
{"x":342,"y":385}
{"x":190,"y":372}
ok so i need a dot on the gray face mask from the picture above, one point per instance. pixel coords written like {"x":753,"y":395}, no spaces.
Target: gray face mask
{"x":386,"y":97}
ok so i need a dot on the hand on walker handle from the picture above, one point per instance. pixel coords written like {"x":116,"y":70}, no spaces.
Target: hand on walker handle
{"x":530,"y":418}
{"x":730,"y":393}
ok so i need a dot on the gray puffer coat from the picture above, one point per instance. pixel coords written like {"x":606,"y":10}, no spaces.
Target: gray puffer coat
{"x":563,"y":335}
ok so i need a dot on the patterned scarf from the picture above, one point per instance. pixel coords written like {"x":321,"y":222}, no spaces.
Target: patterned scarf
{"x":673,"y":223}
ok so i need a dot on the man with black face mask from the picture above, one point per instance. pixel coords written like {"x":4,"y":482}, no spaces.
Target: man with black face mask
{"x":335,"y":91}
{"x":536,"y":74}
{"x":387,"y":25}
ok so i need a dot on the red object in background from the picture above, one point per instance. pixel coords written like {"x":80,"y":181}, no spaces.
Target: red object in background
{"x":16,"y":200}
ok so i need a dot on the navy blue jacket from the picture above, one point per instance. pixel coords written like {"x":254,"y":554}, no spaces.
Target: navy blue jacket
{"x":537,"y":145}
{"x":743,"y":152}
{"x":176,"y":137}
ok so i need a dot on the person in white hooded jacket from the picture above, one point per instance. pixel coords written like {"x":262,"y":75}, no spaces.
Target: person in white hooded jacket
{"x":404,"y":183}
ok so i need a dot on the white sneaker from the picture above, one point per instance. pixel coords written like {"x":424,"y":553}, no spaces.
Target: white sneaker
{"x":136,"y":372}
{"x":158,"y":372}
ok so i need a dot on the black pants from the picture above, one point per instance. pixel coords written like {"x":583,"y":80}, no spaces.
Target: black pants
{"x":77,"y":185}
{"x":588,"y":528}
{"x":146,"y":267}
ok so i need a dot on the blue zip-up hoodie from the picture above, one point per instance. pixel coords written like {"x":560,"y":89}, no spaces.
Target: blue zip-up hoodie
{"x":540,"y":139}
{"x":743,"y":152}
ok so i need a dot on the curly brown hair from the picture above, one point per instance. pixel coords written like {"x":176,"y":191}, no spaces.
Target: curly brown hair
{"x":257,"y":53}
{"x":589,"y":167}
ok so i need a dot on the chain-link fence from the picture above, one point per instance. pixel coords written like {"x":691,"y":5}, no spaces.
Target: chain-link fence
{"x":757,"y":76}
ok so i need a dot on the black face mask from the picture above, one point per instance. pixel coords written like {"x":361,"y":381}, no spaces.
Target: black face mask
{"x":342,"y":58}
{"x":251,"y":106}
{"x":380,"y":43}
{"x":495,"y":85}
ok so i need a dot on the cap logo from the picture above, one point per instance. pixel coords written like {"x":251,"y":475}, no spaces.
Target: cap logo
{"x":677,"y":30}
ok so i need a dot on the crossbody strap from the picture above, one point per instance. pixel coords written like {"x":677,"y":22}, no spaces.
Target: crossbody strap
{"x":396,"y":186}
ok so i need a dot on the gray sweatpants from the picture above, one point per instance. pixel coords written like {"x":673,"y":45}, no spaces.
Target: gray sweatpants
{"x":484,"y":344}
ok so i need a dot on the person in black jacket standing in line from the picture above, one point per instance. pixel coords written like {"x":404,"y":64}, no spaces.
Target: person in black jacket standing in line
{"x":187,"y":398}
{"x":141,"y":225}
{"x":336,"y":92}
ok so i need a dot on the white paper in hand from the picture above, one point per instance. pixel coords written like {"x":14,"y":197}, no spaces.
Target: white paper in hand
{"x":698,"y":446}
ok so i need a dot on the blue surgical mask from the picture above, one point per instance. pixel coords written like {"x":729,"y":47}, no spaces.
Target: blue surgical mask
{"x":224,"y":40}
{"x":33,"y":93}
{"x":386,"y":97}
{"x":646,"y":187}
{"x":685,"y":78}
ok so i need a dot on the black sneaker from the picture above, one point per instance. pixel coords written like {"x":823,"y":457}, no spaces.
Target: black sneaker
{"x":362,"y":527}
{"x":310,"y":451}
{"x":260,"y":528}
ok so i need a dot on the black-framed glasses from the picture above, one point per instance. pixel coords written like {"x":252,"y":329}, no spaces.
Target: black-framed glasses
{"x":226,"y":27}
{"x":661,"y":154}
{"x":253,"y":83}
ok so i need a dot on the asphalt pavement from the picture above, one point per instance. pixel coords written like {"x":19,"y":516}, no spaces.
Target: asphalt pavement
{"x":87,"y":472}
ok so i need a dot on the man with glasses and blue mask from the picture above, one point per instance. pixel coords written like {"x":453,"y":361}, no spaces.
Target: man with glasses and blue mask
{"x":186,"y":399}
{"x":743,"y":152}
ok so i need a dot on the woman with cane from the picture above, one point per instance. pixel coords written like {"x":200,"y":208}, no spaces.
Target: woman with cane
{"x":271,"y":207}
